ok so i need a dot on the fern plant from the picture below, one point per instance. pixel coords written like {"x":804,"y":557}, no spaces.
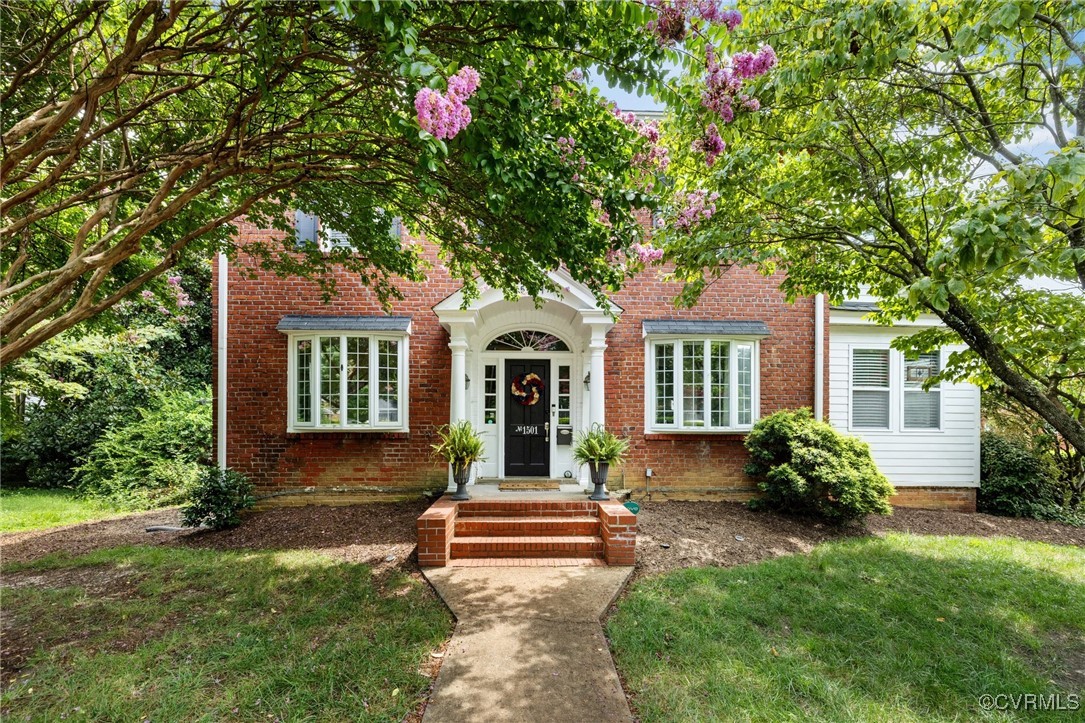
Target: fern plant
{"x":599,"y":445}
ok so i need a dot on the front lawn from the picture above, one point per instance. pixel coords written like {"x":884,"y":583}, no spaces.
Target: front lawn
{"x":35,"y":509}
{"x":142,"y":633}
{"x":898,"y":628}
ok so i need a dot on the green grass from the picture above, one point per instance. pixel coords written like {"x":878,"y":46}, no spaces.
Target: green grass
{"x":173,"y":634}
{"x":898,"y":629}
{"x":32,"y":509}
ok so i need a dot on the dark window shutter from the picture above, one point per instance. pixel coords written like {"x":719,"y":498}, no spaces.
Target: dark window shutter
{"x":306,"y":225}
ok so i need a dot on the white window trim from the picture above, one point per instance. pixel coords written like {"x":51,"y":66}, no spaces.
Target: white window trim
{"x":896,"y":393}
{"x":293,"y":426}
{"x":650,"y":425}
{"x":941,"y":388}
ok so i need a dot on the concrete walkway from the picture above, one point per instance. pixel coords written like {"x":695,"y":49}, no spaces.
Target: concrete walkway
{"x":528,"y":645}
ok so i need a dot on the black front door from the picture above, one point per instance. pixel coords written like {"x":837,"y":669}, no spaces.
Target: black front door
{"x":527,"y":414}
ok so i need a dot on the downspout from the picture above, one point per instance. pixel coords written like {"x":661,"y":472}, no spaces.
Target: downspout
{"x":819,"y":357}
{"x":223,"y":300}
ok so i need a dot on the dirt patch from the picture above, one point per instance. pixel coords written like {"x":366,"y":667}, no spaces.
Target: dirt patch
{"x":21,"y":637}
{"x":1067,"y":651}
{"x":87,"y":537}
{"x":674,"y":535}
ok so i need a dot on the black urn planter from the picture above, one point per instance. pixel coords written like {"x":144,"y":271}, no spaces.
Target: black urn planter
{"x":461,"y":475}
{"x":599,"y":479}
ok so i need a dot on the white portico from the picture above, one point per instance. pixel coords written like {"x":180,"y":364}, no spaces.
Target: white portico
{"x":528,"y":376}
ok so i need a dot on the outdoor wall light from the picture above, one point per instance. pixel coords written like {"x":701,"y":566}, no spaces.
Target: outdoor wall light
{"x":587,"y":381}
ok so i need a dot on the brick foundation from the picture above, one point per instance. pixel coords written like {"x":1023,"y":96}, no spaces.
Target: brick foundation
{"x":958,"y":499}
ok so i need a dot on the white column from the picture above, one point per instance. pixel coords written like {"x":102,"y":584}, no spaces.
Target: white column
{"x":458,"y":388}
{"x":597,"y":408}
{"x":223,"y":359}
{"x":458,"y":384}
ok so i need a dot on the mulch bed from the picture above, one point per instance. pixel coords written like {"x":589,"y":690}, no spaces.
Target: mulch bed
{"x":378,"y":534}
{"x":671,"y":535}
{"x":674,"y":535}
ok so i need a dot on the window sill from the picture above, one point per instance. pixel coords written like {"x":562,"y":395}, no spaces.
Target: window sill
{"x":389,"y":433}
{"x":671,"y":434}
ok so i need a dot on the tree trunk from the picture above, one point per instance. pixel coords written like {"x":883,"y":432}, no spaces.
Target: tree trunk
{"x":961,"y":320}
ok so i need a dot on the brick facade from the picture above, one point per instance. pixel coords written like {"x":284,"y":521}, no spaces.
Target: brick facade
{"x":292,"y":468}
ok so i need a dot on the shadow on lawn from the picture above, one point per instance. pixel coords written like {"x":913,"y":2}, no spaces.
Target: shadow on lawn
{"x":901,"y":628}
{"x":191,"y":634}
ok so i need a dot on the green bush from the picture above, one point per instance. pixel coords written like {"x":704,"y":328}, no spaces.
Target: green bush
{"x":217,"y":499}
{"x":1016,"y":483}
{"x":807,"y":467}
{"x":155,"y":460}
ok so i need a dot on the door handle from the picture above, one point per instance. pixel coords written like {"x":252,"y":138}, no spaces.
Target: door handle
{"x":547,"y":428}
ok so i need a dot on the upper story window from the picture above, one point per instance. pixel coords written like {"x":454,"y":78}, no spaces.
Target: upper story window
{"x":348,"y":380}
{"x":881,"y":375}
{"x":313,"y":229}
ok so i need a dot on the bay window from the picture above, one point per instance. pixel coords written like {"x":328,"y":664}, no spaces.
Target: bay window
{"x":702,"y":384}
{"x":350,"y":381}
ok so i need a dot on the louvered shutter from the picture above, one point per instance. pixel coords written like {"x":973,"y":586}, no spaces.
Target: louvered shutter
{"x":306,"y":226}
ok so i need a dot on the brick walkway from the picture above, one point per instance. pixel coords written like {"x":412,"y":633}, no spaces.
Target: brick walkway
{"x":528,"y":644}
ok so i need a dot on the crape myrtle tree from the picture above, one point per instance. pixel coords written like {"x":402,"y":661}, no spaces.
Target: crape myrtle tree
{"x":929,"y":153}
{"x":135,"y":134}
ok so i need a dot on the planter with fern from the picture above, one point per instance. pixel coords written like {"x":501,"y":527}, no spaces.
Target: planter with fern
{"x":460,"y":447}
{"x":599,"y":448}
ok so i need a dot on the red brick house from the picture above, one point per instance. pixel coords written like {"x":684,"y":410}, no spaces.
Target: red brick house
{"x":338,"y":402}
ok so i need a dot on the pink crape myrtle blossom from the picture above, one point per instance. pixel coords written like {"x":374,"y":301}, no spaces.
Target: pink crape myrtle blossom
{"x":712,"y":144}
{"x":445,"y":115}
{"x":675,"y":17}
{"x":751,"y":65}
{"x":646,"y":253}
{"x":695,"y":207}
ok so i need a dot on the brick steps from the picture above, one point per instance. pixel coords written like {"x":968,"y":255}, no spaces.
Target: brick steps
{"x":490,"y":508}
{"x":529,"y":526}
{"x":528,"y":546}
{"x":526,"y":532}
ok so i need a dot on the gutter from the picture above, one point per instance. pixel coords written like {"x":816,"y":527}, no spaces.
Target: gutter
{"x":223,"y":301}
{"x":819,"y":357}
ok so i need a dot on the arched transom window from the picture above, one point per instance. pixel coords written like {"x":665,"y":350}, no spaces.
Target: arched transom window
{"x":527,"y":340}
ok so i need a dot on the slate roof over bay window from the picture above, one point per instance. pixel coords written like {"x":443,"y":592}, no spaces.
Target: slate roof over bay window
{"x":697,"y":327}
{"x":297,"y":322}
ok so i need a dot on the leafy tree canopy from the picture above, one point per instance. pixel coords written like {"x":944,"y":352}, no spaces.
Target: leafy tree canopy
{"x":135,"y":133}
{"x":929,"y":152}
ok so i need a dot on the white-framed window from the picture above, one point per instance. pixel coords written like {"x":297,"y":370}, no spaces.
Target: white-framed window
{"x":922,"y":407}
{"x":881,"y":376}
{"x":353,"y":381}
{"x":870,"y":388}
{"x":707,"y":384}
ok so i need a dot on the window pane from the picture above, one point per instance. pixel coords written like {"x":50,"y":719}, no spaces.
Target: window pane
{"x":329,"y":380}
{"x":870,"y":409}
{"x":721,"y":384}
{"x":489,"y":405}
{"x":921,"y":410}
{"x":664,"y":383}
{"x":565,"y":415}
{"x":304,"y":389}
{"x":870,"y":367}
{"x":387,"y":380}
{"x":693,"y":384}
{"x":920,"y":368}
{"x":357,"y":380}
{"x":744,"y":354}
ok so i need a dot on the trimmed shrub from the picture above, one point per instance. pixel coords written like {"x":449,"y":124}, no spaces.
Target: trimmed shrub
{"x":1014,"y":482}
{"x":807,"y":467}
{"x":217,"y":499}
{"x":154,"y":460}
